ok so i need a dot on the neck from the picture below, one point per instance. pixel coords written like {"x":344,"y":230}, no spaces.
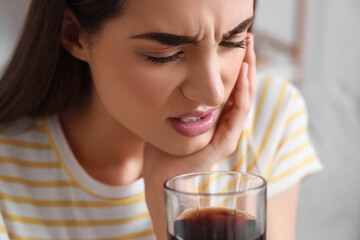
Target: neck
{"x":106,"y":150}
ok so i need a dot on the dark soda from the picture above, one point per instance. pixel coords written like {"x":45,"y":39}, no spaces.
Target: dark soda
{"x":216,"y":224}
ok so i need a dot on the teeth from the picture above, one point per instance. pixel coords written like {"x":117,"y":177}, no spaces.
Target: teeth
{"x":190,"y":119}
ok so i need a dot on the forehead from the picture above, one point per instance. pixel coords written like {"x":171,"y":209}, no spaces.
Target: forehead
{"x":191,"y":17}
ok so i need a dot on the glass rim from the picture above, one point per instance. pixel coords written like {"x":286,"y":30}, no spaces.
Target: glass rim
{"x":263,"y":184}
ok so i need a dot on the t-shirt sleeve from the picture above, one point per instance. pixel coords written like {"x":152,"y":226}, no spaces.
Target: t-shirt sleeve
{"x":294,"y":158}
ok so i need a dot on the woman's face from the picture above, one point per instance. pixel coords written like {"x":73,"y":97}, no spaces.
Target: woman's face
{"x":165,"y":69}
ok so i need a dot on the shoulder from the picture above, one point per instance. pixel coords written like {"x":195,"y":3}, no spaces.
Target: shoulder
{"x":275,"y":89}
{"x":23,"y":140}
{"x":277,"y":99}
{"x":21,"y":131}
{"x":277,"y":112}
{"x":21,"y":126}
{"x":26,"y":158}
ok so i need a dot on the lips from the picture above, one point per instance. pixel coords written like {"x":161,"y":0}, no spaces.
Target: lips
{"x":194,"y":123}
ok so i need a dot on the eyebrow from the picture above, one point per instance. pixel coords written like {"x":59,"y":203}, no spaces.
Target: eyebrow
{"x":240,"y":28}
{"x":176,"y":40}
{"x":168,"y":39}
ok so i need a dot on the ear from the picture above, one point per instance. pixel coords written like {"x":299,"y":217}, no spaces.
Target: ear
{"x":73,"y":37}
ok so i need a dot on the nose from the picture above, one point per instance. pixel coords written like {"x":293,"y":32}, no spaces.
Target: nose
{"x":204,"y":83}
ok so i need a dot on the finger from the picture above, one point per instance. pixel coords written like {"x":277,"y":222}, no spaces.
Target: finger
{"x":250,"y":58}
{"x":241,"y":100}
{"x":229,"y":128}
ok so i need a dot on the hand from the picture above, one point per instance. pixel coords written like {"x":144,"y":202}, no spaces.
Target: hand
{"x":159,"y":166}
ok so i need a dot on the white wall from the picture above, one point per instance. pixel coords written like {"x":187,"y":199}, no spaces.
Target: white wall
{"x":330,"y":202}
{"x":329,"y":205}
{"x":11,"y":19}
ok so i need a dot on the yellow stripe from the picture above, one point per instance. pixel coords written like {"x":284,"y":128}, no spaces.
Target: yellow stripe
{"x":284,"y":157}
{"x":5,"y":127}
{"x":203,"y":188}
{"x":72,"y":222}
{"x":33,"y":126}
{"x":16,"y":237}
{"x":282,"y":143}
{"x":232,"y":186}
{"x":2,"y":229}
{"x":292,"y":136}
{"x":124,"y":237}
{"x":39,"y":129}
{"x":287,"y":173}
{"x":270,"y":126}
{"x":295,"y":97}
{"x":23,"y":144}
{"x":261,"y":102}
{"x":247,"y":133}
{"x":69,"y":203}
{"x":241,"y":139}
{"x":237,"y":167}
{"x":29,"y":164}
{"x":122,"y":201}
{"x":242,"y":160}
{"x":134,"y":235}
{"x":32,"y":183}
{"x":295,"y":116}
{"x":206,"y":185}
{"x":290,"y":154}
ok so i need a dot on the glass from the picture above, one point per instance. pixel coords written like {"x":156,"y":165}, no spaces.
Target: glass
{"x":216,"y":206}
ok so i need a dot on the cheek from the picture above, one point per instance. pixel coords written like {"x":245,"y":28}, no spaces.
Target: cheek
{"x":152,"y":87}
{"x":144,"y":87}
{"x":230,"y":69}
{"x":125,"y":81}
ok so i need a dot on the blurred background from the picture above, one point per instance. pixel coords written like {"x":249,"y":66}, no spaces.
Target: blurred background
{"x":315,"y":45}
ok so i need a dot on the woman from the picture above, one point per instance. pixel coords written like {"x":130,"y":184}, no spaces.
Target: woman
{"x":104,"y":100}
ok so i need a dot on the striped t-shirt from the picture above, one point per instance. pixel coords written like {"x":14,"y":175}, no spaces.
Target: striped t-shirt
{"x":45,"y":193}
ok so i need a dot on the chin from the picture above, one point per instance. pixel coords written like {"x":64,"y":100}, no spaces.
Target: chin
{"x":188,"y":145}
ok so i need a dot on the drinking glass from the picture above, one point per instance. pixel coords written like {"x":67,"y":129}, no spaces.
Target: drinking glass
{"x":216,"y":206}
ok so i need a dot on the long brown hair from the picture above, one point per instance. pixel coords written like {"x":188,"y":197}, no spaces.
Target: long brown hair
{"x":42,"y":78}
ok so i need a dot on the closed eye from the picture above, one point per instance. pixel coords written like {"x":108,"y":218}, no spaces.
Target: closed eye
{"x":162,"y":60}
{"x":241,"y":44}
{"x":176,"y":56}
